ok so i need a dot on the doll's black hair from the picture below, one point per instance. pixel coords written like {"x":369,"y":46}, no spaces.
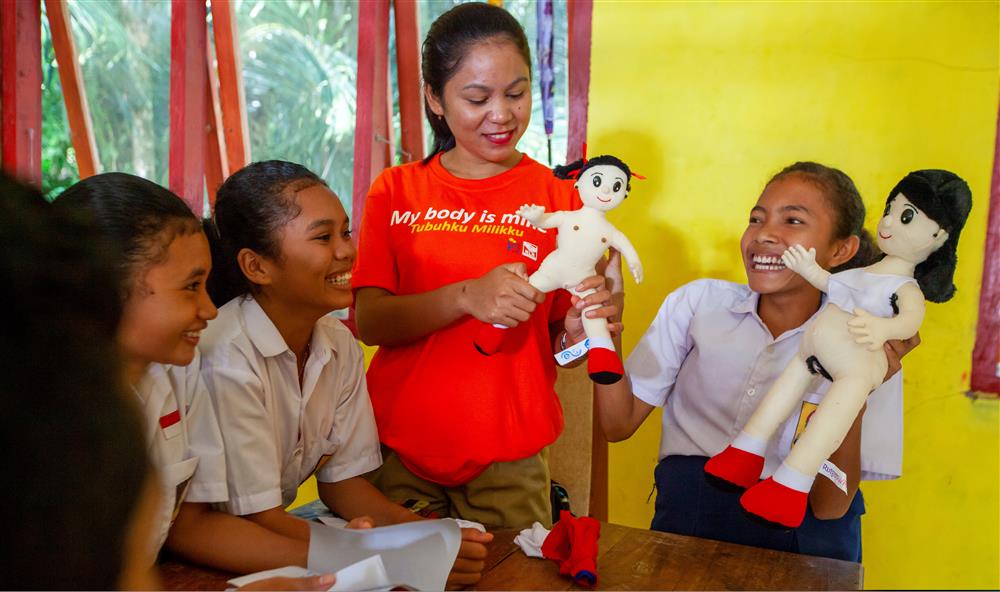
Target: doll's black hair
{"x":66,"y":423}
{"x":138,"y":216}
{"x":251,"y":206}
{"x":577,"y":168}
{"x":448,"y":40}
{"x":945,"y":198}
{"x":845,"y":202}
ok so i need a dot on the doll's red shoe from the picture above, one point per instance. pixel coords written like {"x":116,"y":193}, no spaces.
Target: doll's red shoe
{"x":604,"y":366}
{"x":736,"y":466}
{"x":776,"y":503}
{"x":489,"y":339}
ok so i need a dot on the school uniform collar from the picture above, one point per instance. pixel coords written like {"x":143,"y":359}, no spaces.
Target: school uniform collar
{"x":268,"y":340}
{"x":261,"y":330}
{"x":747,"y":304}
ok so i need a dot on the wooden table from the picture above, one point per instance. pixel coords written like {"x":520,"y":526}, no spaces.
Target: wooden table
{"x":628,"y":559}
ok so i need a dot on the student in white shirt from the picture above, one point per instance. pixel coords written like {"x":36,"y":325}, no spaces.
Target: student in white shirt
{"x":713,"y":351}
{"x":287,"y":380}
{"x":164,"y":258}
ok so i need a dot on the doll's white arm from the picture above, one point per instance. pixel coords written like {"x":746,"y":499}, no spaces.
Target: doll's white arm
{"x":803,"y":262}
{"x":874,"y":331}
{"x":621,"y":243}
{"x":537,"y":216}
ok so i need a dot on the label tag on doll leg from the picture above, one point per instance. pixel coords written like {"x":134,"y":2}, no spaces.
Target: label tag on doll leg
{"x":573,"y":352}
{"x":831,"y":472}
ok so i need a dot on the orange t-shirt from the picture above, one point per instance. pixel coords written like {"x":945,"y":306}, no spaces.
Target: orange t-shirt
{"x":445,"y":409}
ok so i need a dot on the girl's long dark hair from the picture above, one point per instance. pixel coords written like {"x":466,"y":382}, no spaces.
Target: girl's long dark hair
{"x":447,"y":43}
{"x":945,"y":198}
{"x":250,"y":207}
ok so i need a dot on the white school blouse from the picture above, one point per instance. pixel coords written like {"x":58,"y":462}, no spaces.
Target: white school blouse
{"x":276,"y":433}
{"x":183,"y":440}
{"x":708,"y":359}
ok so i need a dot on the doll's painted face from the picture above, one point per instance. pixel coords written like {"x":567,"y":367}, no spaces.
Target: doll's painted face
{"x":906,"y":232}
{"x":603,"y":187}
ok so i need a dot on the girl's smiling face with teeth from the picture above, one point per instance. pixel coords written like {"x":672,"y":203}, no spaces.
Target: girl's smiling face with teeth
{"x":791,"y":210}
{"x":317,"y":254}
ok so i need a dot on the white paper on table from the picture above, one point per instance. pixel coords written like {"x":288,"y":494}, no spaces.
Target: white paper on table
{"x":415,"y":554}
{"x":367,"y":574}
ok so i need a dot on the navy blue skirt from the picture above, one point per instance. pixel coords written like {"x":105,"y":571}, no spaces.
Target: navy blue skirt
{"x":687,"y":503}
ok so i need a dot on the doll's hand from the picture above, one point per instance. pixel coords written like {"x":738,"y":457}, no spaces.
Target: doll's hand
{"x":798,"y":259}
{"x":869,"y":330}
{"x":636,"y":269}
{"x":531,"y":213}
{"x":502,"y":296}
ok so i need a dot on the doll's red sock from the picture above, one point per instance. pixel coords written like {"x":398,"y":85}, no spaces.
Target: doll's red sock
{"x":604,"y":365}
{"x":781,"y":499}
{"x":489,"y":339}
{"x":740,"y":463}
{"x":573,"y":545}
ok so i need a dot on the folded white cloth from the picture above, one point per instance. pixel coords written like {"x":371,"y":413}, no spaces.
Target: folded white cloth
{"x":530,"y":540}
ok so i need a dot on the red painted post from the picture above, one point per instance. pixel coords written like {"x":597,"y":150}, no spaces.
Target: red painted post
{"x":21,"y":89}
{"x":411,"y":114}
{"x":187,"y":102}
{"x":986,"y":355}
{"x":372,"y":132}
{"x":232,"y":100}
{"x":81,"y":129}
{"x":580,"y":15}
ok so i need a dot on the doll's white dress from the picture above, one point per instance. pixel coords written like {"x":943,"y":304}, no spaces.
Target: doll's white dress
{"x":872,"y":292}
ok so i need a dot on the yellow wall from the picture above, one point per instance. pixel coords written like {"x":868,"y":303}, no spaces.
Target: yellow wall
{"x":708,"y":100}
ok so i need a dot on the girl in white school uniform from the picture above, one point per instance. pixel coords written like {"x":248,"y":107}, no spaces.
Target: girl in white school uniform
{"x":165,"y":260}
{"x":287,"y":380}
{"x":713,"y":351}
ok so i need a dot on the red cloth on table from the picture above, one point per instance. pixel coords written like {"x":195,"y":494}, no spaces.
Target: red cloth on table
{"x":572,"y":544}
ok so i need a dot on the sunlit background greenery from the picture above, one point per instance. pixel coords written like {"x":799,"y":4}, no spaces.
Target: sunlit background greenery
{"x":299,"y":64}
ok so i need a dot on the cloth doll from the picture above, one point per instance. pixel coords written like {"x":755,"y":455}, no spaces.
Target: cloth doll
{"x":865,"y":307}
{"x":584,"y":235}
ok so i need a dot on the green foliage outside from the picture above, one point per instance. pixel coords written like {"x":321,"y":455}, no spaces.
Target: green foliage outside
{"x":299,"y":61}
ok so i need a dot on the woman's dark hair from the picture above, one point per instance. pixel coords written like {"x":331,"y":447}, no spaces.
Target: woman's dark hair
{"x":447,"y":43}
{"x":73,"y":441}
{"x":577,"y":168}
{"x":945,"y":198}
{"x":139,"y":217}
{"x":250,"y":207}
{"x":846,"y":203}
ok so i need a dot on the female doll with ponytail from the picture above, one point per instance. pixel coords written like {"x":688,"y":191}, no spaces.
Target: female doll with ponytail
{"x":441,"y":251}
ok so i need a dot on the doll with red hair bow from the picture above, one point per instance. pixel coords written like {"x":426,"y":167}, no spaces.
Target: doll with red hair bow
{"x":584,"y":235}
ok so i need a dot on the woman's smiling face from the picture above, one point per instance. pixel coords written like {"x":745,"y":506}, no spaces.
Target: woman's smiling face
{"x":487,"y":103}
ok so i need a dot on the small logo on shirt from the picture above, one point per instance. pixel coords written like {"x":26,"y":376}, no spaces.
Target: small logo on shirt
{"x":511,"y":245}
{"x":529,"y":250}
